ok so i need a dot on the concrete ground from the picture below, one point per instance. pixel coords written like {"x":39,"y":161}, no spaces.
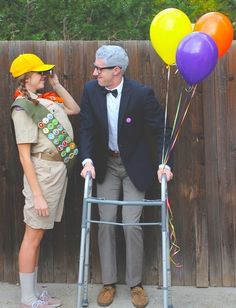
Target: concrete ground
{"x":182,"y":297}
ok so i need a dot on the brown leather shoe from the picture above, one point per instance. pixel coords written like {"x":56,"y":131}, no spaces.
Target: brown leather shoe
{"x":106,"y":295}
{"x":139,"y":297}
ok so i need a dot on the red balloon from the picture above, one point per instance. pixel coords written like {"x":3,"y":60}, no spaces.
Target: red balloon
{"x":219,"y":27}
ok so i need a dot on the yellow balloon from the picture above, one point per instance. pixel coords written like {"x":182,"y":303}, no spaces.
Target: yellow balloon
{"x":167,"y":29}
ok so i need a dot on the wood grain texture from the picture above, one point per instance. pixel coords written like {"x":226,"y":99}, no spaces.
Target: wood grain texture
{"x":202,"y":194}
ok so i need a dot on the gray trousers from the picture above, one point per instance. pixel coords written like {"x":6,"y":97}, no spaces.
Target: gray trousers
{"x":116,"y":178}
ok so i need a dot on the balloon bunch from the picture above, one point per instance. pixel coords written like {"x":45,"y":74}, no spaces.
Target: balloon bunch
{"x":194,"y":49}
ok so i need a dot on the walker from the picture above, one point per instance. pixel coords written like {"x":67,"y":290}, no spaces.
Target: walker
{"x":88,"y":200}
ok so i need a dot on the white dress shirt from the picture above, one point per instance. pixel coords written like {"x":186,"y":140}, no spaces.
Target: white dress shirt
{"x":113,"y":106}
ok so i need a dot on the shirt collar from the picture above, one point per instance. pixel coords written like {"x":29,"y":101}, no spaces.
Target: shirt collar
{"x":119,"y":87}
{"x":33,"y":95}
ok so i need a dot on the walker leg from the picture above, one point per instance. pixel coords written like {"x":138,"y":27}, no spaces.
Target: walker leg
{"x":164,"y":270}
{"x":82,"y":300}
{"x":81,"y":268}
{"x":86,"y":263}
{"x":82,"y":297}
{"x":167,"y":302}
{"x":169,"y":297}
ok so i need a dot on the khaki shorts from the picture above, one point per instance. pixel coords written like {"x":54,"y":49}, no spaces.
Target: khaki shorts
{"x":52,"y":177}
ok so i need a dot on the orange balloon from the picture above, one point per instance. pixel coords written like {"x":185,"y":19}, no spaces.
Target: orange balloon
{"x":219,"y":27}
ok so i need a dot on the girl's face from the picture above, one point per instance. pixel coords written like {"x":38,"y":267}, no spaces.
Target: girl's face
{"x":35,"y":82}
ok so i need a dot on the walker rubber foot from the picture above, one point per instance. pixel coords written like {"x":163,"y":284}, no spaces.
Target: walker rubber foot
{"x":85,"y":303}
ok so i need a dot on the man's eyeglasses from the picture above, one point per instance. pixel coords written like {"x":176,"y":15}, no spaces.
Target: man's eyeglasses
{"x":100,"y":69}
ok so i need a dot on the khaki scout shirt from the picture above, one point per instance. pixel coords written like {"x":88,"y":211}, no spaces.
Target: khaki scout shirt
{"x":27,"y":131}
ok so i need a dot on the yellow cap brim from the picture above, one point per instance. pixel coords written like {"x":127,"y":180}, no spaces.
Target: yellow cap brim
{"x":43,"y":68}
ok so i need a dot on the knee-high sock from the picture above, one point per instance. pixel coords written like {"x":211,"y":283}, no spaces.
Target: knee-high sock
{"x":36,"y":287}
{"x":27,"y":288}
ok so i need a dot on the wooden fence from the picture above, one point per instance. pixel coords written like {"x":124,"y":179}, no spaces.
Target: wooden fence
{"x":202,"y":194}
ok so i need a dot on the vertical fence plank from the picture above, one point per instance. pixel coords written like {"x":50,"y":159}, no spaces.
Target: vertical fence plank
{"x":212,"y":181}
{"x":231,"y":90}
{"x":198,"y":192}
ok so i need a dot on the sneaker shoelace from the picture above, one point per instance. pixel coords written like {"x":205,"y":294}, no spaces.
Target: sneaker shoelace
{"x":38,"y":303}
{"x":44,"y":296}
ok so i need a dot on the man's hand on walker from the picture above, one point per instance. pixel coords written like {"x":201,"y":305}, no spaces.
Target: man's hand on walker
{"x":164,"y":169}
{"x":88,"y":167}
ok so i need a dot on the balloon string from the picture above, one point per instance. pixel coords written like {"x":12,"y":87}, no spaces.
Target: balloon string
{"x":174,"y":247}
{"x":172,"y":142}
{"x":176,"y":136}
{"x":175,"y":121}
{"x":178,"y":117}
{"x":166,"y":111}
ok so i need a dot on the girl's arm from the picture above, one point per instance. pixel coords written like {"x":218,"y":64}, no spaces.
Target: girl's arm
{"x":40,"y":204}
{"x":70,"y":105}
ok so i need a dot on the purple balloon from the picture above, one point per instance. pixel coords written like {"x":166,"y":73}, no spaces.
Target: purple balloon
{"x":196,"y":57}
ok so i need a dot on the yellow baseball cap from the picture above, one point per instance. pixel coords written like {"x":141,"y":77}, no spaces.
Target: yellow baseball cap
{"x":28,"y":62}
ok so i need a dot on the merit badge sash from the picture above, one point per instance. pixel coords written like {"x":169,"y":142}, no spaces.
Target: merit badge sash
{"x":52,"y":129}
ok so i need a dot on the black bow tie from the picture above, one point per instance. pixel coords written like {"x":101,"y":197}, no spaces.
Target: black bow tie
{"x":113,"y":92}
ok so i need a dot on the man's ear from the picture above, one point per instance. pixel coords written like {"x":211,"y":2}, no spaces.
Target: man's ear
{"x":117,"y":71}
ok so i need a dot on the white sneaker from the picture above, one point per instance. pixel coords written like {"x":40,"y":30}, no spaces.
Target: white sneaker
{"x":50,"y":301}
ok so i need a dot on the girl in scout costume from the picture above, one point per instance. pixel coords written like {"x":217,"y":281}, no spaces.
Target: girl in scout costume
{"x":44,"y":138}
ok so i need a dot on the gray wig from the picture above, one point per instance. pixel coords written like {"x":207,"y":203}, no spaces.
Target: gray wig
{"x":113,"y":56}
